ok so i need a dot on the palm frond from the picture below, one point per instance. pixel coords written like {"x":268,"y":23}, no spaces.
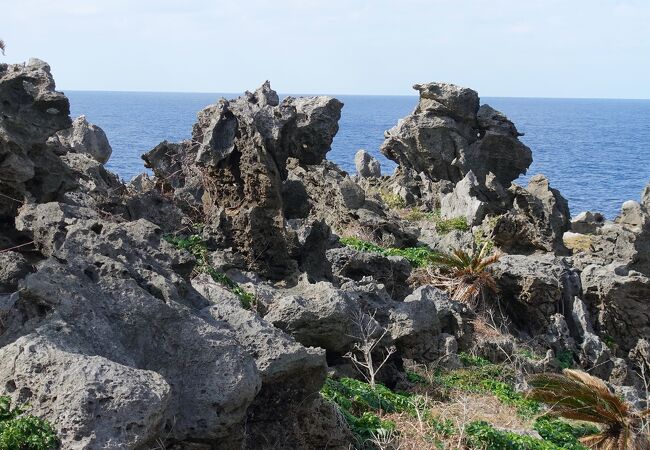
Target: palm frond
{"x":2,"y":46}
{"x":577,"y":395}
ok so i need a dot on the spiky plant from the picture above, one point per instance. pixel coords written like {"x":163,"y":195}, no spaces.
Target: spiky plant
{"x":468,"y":275}
{"x":577,"y":395}
{"x":2,"y":46}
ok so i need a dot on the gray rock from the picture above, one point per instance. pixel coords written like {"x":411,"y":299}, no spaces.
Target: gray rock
{"x":317,"y":315}
{"x":414,"y":325}
{"x":367,"y":165}
{"x":587,"y":222}
{"x":537,"y":221}
{"x":444,"y":138}
{"x":83,"y":137}
{"x":13,"y":267}
{"x":465,"y":201}
{"x":632,"y":215}
{"x":234,"y":167}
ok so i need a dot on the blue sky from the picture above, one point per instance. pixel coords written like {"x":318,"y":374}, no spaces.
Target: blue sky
{"x":529,"y":48}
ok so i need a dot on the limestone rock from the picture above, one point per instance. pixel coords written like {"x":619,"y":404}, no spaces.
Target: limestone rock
{"x":83,"y":137}
{"x":235,"y":165}
{"x":367,"y":165}
{"x":445,"y":138}
{"x":465,"y":201}
{"x":13,"y":267}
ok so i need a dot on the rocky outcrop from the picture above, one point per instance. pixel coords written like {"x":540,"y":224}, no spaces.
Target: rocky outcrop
{"x":367,"y":165}
{"x":82,"y":137}
{"x":537,"y":220}
{"x":449,"y":134}
{"x":233,"y":169}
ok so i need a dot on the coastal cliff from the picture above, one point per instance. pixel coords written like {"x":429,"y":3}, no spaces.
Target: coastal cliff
{"x":211,"y":304}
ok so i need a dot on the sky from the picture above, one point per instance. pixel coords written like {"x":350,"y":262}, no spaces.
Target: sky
{"x":513,"y":48}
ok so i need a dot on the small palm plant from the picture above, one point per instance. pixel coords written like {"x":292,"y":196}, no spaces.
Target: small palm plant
{"x":468,"y":278}
{"x":577,"y":395}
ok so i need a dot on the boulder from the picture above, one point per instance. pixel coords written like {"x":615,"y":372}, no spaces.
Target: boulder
{"x":367,"y":165}
{"x":587,"y":222}
{"x":465,"y":201}
{"x":445,"y":138}
{"x":537,"y":221}
{"x":13,"y":267}
{"x":234,"y":167}
{"x":618,"y":299}
{"x":531,"y":289}
{"x":82,"y":137}
{"x":31,"y":112}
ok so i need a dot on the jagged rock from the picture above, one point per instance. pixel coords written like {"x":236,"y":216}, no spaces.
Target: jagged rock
{"x":367,"y":165}
{"x":618,"y":299}
{"x":291,"y":374}
{"x":465,"y":201}
{"x":350,"y":264}
{"x":317,"y":315}
{"x":587,"y":222}
{"x":445,"y":138}
{"x":414,"y":325}
{"x":531,"y":289}
{"x":13,"y":267}
{"x":236,"y":163}
{"x":31,"y":111}
{"x":537,"y":221}
{"x":82,"y":137}
{"x":632,"y":216}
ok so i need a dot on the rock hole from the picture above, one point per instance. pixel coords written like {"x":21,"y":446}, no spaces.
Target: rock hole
{"x":97,"y":228}
{"x":10,"y":386}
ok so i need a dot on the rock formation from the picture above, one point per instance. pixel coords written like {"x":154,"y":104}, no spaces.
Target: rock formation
{"x":122,"y":306}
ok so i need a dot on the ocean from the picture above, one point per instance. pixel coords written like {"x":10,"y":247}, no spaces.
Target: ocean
{"x":595,"y":151}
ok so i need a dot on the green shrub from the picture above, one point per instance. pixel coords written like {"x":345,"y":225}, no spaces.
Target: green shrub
{"x":20,"y":431}
{"x":392,"y":200}
{"x":444,"y":226}
{"x":416,"y":215}
{"x":482,"y":435}
{"x":482,"y":377}
{"x":565,"y":359}
{"x":417,"y":256}
{"x":195,"y":245}
{"x":562,"y":433}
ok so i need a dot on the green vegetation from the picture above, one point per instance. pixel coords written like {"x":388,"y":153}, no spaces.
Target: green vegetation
{"x":479,"y":376}
{"x":392,"y":200}
{"x":482,"y":435}
{"x":20,"y":431}
{"x":443,"y":226}
{"x":360,"y":404}
{"x":417,"y":256}
{"x":565,"y":359}
{"x":577,"y":395}
{"x":469,"y":278}
{"x":195,"y":245}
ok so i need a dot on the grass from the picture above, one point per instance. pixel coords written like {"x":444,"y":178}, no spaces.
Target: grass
{"x":417,"y":256}
{"x":473,"y":407}
{"x":195,"y":245}
{"x":392,"y":200}
{"x":20,"y":431}
{"x":443,"y":226}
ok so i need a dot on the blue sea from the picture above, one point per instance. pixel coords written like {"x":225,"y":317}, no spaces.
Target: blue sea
{"x":596,"y":152}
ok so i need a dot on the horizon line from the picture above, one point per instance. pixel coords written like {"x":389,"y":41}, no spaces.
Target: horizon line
{"x":283,"y":94}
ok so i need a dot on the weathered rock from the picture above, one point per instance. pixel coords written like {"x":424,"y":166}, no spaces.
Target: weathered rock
{"x":13,"y":267}
{"x":31,"y":111}
{"x":531,"y":289}
{"x":618,"y":300}
{"x":537,"y":221}
{"x":82,"y":137}
{"x":317,"y":315}
{"x":587,"y":222}
{"x":445,"y":138}
{"x":236,"y":164}
{"x":367,"y":165}
{"x":350,"y":264}
{"x":465,"y":201}
{"x":414,"y":325}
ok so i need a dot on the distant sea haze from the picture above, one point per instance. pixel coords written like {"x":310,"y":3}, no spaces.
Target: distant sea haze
{"x":596,"y":152}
